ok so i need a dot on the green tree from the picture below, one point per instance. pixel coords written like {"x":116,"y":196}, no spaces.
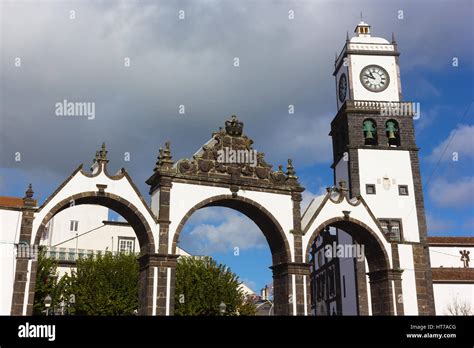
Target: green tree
{"x":106,"y":285}
{"x":48,"y":283}
{"x":201,"y":286}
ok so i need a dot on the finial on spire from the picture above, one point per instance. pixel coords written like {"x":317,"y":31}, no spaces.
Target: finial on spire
{"x":290,"y":170}
{"x":29,"y":192}
{"x":361,"y":18}
{"x":347,"y":35}
{"x":101,"y":155}
{"x":393,"y":38}
{"x":164,"y":160}
{"x":28,"y":200}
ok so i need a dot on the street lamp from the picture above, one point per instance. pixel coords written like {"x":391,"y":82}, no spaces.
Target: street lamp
{"x":222,"y":308}
{"x":47,"y":302}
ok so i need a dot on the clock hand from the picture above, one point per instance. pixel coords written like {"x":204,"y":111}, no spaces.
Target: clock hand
{"x":370,"y":77}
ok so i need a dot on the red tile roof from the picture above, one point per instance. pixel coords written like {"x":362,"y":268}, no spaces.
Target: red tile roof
{"x":11,"y":201}
{"x":453,"y":275}
{"x":451,"y":241}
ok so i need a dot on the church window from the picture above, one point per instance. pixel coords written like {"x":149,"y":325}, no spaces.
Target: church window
{"x":370,"y":189}
{"x":74,"y":225}
{"x":392,"y":228}
{"x":126,"y":244}
{"x":403,"y":190}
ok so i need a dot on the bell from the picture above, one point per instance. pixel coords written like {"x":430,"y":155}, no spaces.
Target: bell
{"x":368,"y":129}
{"x":391,"y":129}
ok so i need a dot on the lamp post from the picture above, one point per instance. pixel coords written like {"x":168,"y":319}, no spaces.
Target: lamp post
{"x":47,"y":303}
{"x":222,"y":308}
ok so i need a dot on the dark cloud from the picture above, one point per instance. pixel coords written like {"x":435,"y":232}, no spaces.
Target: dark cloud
{"x":190,"y":62}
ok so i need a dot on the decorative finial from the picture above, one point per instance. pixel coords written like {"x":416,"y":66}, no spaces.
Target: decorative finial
{"x":393,"y":38}
{"x":290,"y":170}
{"x":29,"y":192}
{"x":347,"y":35}
{"x":28,"y":200}
{"x":164,"y":158}
{"x":101,"y":156}
{"x":361,"y":17}
{"x":234,"y":127}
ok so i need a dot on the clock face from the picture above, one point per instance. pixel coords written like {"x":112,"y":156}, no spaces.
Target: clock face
{"x":342,"y":87}
{"x":374,"y":78}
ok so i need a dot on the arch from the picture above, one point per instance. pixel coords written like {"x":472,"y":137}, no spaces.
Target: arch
{"x":267,"y":223}
{"x":120,"y":205}
{"x":376,"y":254}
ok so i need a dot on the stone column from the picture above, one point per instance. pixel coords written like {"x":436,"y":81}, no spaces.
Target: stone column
{"x":361,"y":287}
{"x":157,"y":282}
{"x":284,"y":297}
{"x":397,"y":281}
{"x":26,"y":255}
{"x":381,"y":291}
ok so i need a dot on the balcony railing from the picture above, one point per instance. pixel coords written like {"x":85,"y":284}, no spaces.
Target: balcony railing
{"x":384,"y":108}
{"x":72,"y":254}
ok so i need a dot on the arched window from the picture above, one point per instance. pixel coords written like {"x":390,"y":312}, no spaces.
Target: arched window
{"x":393,"y":133}
{"x":370,"y":132}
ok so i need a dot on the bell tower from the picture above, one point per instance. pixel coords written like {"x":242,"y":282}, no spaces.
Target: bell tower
{"x":375,"y":153}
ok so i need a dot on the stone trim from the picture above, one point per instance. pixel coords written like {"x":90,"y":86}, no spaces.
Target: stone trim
{"x":123,"y":207}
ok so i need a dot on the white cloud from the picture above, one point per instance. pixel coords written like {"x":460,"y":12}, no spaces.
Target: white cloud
{"x":460,"y":140}
{"x":457,"y":194}
{"x":234,"y":231}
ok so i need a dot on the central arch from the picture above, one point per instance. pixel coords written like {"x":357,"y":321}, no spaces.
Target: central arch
{"x":267,"y":223}
{"x":271,"y":229}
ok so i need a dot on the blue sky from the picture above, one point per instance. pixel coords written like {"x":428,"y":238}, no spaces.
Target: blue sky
{"x":190,"y":62}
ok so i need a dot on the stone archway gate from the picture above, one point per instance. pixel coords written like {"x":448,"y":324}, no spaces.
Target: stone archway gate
{"x":226,"y":172}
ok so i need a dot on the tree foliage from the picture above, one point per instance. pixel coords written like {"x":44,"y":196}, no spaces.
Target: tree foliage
{"x":46,"y":283}
{"x":106,"y":285}
{"x":202,"y":285}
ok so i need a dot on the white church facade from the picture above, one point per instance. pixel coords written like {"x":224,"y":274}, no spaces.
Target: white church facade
{"x":376,"y":202}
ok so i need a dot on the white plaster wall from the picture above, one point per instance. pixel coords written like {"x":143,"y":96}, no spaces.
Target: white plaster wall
{"x":449,"y":256}
{"x":80,"y":183}
{"x":10,"y":222}
{"x":359,"y":212}
{"x":358,"y":62}
{"x":410,"y":302}
{"x":373,"y":166}
{"x":89,"y":217}
{"x":346,"y":267}
{"x":185,"y":196}
{"x":445,"y":294}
